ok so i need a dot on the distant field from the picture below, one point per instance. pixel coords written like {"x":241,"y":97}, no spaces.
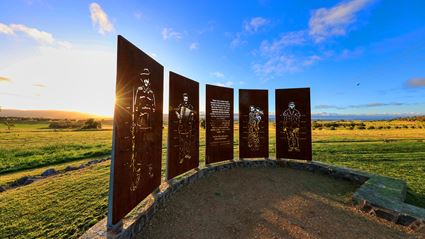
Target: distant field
{"x":26,"y":147}
{"x":64,"y":206}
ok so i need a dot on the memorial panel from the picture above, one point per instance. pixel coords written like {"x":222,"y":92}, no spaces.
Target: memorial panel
{"x":137,"y":137}
{"x":253,"y":124}
{"x":219,"y":124}
{"x":293,"y":124}
{"x":183,"y":126}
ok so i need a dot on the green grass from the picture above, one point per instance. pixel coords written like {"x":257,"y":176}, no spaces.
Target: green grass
{"x":25,"y":149}
{"x":64,"y":206}
{"x":399,"y":159}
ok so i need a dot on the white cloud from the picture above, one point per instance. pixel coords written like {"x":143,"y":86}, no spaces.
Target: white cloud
{"x":39,"y":85}
{"x":169,"y":33}
{"x":40,"y":36}
{"x":138,"y":15}
{"x":327,"y":22}
{"x":33,"y":33}
{"x":311,"y":60}
{"x":5,"y":29}
{"x":4,"y":79}
{"x":277,"y":65}
{"x":225,"y":84}
{"x":255,"y":24}
{"x":100,"y":18}
{"x":194,"y":46}
{"x":416,"y":82}
{"x":218,"y":75}
{"x":286,"y":40}
{"x":237,"y":41}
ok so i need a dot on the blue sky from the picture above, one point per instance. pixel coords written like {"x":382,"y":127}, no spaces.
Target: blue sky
{"x":358,"y":56}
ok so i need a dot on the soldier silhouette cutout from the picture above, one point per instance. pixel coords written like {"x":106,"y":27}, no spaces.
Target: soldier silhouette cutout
{"x":255,"y":115}
{"x":142,"y":120}
{"x":291,"y":127}
{"x":186,"y":116}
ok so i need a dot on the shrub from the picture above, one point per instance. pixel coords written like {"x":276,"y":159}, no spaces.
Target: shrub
{"x":203,"y":124}
{"x":371,"y":127}
{"x":380,"y":127}
{"x":405,"y":126}
{"x":65,"y":124}
{"x":361,"y":127}
{"x":92,"y":124}
{"x":332,"y":128}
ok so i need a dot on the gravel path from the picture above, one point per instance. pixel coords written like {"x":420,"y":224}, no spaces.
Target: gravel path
{"x":267,"y":203}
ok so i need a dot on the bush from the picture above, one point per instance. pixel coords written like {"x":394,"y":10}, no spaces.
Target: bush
{"x":332,"y":128}
{"x":65,"y":124}
{"x":361,"y":127}
{"x":371,"y":127}
{"x":92,"y":124}
{"x":405,"y":126}
{"x":380,"y":127}
{"x":203,"y":123}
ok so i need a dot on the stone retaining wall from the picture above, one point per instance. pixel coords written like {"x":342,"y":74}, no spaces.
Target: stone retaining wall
{"x":377,"y":195}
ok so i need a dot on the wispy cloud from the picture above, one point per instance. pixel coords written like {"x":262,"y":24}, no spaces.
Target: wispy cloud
{"x":277,"y":65}
{"x":40,"y":36}
{"x":286,"y":40}
{"x":169,"y":33}
{"x":311,"y":60}
{"x":225,"y":84}
{"x":334,"y":21}
{"x":100,"y":19}
{"x":369,"y":105}
{"x":5,"y":79}
{"x":281,"y":55}
{"x":249,"y":27}
{"x":218,"y":75}
{"x":138,"y":15}
{"x":194,"y":46}
{"x":254,"y":24}
{"x":33,"y":33}
{"x":237,"y":40}
{"x":416,"y":83}
{"x":5,"y":29}
{"x":39,"y":85}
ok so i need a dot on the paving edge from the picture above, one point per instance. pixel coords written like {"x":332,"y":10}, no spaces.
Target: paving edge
{"x":378,"y":195}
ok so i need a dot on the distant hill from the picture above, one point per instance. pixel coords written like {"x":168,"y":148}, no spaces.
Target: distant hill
{"x":412,"y":118}
{"x":48,"y":114}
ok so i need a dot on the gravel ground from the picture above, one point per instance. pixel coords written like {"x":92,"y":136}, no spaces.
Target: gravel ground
{"x":268,"y":203}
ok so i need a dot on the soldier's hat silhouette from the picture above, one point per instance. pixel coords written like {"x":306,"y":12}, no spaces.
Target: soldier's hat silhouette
{"x":145,"y":72}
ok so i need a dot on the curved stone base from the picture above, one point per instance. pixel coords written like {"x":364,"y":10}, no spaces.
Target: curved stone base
{"x":378,"y":195}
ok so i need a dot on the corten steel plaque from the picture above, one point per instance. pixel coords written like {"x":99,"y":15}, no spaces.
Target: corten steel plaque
{"x":136,"y":164}
{"x":293,"y":123}
{"x":253,"y":124}
{"x":183,"y":125}
{"x":219,"y":124}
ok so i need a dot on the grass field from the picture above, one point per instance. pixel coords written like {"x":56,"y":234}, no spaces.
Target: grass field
{"x":64,"y":206}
